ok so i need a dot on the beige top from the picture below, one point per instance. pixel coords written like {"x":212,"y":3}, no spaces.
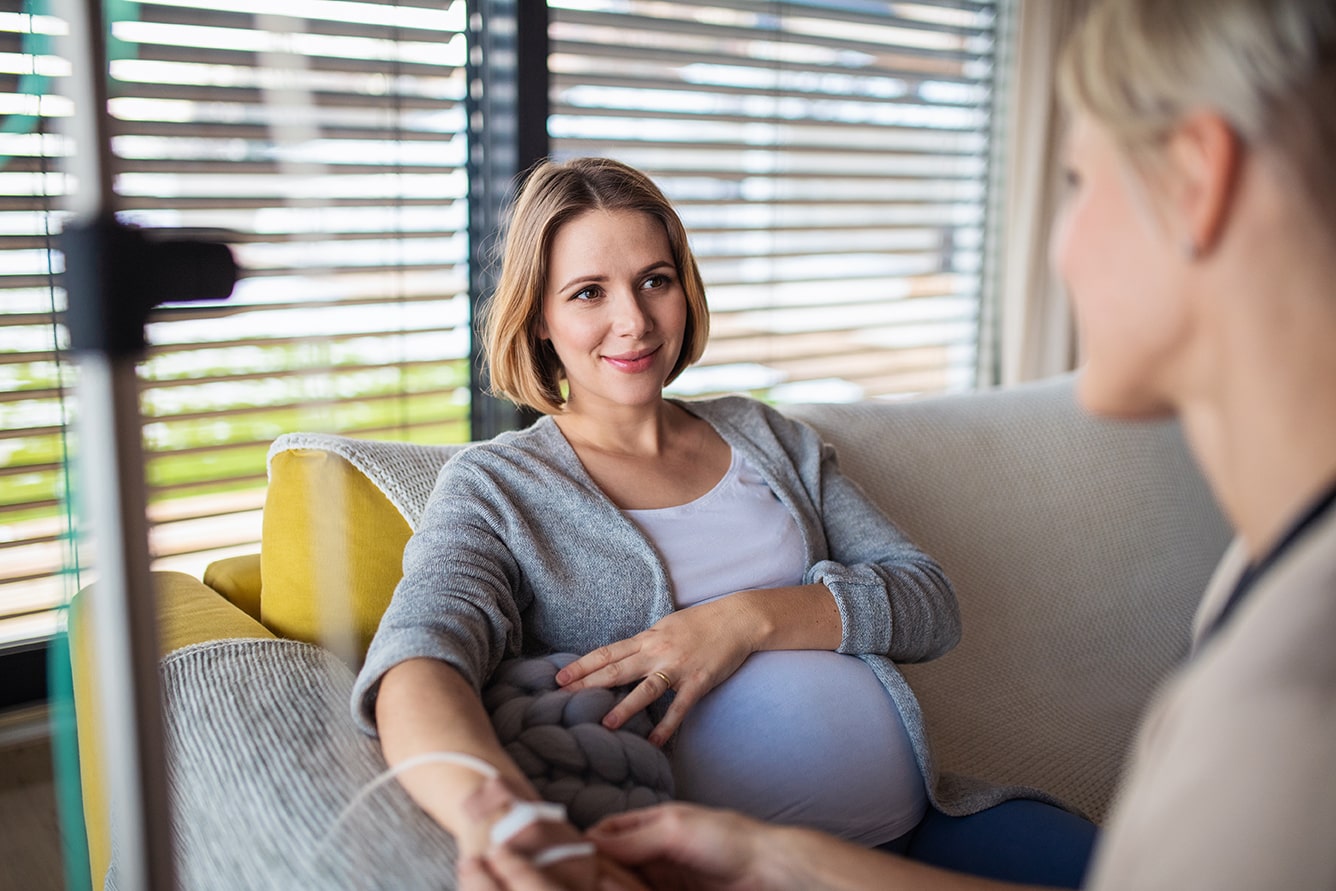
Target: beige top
{"x":1233,"y":779}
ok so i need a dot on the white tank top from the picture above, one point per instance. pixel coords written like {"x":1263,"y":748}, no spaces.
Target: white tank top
{"x":802,"y":737}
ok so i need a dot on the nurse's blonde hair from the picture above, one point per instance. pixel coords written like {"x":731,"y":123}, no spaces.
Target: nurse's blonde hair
{"x":1267,"y":67}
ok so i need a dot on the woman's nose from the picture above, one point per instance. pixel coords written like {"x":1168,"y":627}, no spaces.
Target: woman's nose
{"x":631,"y":318}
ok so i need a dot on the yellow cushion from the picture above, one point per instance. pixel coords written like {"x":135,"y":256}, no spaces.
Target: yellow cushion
{"x":237,"y":579}
{"x":188,"y":612}
{"x":331,"y":552}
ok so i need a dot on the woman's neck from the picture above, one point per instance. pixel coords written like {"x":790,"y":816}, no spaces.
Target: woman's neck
{"x":631,"y":431}
{"x":1264,"y":428}
{"x":1257,"y":390}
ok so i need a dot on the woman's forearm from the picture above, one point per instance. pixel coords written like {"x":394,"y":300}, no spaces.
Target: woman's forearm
{"x":804,"y":858}
{"x":802,"y":617}
{"x":425,"y":706}
{"x":705,"y":847}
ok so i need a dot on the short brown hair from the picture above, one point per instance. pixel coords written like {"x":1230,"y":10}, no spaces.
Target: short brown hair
{"x":523,"y":367}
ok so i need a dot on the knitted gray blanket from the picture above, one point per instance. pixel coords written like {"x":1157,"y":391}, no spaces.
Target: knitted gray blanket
{"x":262,"y":760}
{"x":556,"y":738}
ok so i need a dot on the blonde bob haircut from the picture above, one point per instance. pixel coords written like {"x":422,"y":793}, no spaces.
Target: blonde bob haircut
{"x":524,"y":368}
{"x":1267,"y":67}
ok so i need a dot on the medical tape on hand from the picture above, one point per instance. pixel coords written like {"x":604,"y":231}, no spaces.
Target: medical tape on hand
{"x":522,"y":815}
{"x":558,"y":853}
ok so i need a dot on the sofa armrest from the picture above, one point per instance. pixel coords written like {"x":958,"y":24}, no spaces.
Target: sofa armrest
{"x":188,"y":612}
{"x":238,"y":580}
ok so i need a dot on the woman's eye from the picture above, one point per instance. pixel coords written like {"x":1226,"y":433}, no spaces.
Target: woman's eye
{"x":655,"y":281}
{"x":585,"y":294}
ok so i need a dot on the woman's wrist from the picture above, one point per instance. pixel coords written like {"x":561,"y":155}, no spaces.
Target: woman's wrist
{"x":802,"y":617}
{"x":465,"y":793}
{"x":756,"y":624}
{"x":496,"y":815}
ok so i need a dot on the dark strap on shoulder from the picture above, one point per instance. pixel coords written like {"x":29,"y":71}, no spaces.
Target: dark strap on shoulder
{"x":1248,"y":580}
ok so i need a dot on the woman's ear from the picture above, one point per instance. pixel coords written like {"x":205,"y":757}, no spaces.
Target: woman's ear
{"x":1204,"y":156}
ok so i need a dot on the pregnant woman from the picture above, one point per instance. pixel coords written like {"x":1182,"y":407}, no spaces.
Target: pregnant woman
{"x":708,"y":549}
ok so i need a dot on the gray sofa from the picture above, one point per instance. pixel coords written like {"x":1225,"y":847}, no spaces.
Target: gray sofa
{"x":1078,"y":547}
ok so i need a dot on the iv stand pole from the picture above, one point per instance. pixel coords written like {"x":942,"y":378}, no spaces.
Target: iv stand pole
{"x":114,"y":276}
{"x":122,"y":615}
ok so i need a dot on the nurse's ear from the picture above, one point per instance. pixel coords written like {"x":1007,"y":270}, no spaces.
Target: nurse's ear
{"x":1204,"y":155}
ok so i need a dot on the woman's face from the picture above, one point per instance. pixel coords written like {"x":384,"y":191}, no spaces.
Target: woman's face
{"x":614,"y":310}
{"x":1121,"y":266}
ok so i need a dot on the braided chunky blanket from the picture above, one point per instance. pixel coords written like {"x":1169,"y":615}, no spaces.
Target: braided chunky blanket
{"x":555,"y":737}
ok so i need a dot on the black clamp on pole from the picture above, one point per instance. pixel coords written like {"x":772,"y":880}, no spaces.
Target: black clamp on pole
{"x":115,"y":275}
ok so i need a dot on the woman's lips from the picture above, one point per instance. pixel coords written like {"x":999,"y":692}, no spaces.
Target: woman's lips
{"x":633,"y":363}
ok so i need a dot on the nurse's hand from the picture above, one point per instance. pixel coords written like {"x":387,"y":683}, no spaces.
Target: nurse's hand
{"x":505,"y":870}
{"x":691,"y":652}
{"x":684,"y":846}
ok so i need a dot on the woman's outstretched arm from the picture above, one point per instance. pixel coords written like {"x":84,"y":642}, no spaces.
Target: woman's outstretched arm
{"x":425,"y":706}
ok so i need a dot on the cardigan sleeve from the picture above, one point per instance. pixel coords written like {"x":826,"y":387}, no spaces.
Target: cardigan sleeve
{"x":894,"y":599}
{"x":456,"y":601}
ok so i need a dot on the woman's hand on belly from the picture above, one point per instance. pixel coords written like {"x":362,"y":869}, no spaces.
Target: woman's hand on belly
{"x":691,"y":651}
{"x":698,"y":648}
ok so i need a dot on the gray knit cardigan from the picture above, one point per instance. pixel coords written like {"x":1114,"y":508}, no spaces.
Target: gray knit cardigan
{"x":518,"y":552}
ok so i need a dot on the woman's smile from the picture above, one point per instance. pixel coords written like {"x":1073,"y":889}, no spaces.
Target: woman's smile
{"x":633,"y":362}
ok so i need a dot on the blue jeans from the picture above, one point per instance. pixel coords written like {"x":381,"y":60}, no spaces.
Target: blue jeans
{"x":1015,"y":841}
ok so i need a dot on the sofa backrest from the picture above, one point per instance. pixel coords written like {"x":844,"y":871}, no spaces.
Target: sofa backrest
{"x":1078,"y":548}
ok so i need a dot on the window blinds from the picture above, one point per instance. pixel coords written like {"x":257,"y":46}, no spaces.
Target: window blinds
{"x":325,"y":139}
{"x":829,"y":159}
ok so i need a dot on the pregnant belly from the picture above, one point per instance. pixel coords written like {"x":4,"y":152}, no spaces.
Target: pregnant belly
{"x":803,"y":737}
